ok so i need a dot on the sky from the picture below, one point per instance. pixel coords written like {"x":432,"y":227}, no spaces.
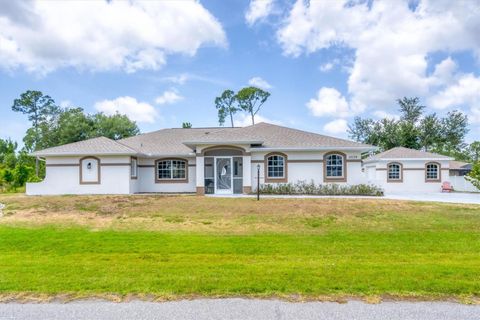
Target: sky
{"x":164,"y":62}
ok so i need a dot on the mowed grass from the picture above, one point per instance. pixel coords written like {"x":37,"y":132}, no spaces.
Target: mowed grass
{"x":195,"y":246}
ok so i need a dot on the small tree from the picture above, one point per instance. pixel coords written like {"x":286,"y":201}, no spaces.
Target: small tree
{"x":475,"y":151}
{"x":117,"y":126}
{"x":38,"y":107}
{"x":225,"y":105}
{"x":186,"y":125}
{"x":251,"y":99}
{"x":474,"y":175}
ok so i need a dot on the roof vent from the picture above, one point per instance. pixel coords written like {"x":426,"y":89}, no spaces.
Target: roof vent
{"x":207,"y":132}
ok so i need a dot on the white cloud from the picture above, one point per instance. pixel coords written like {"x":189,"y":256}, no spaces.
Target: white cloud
{"x":42,"y":36}
{"x":326,"y":67}
{"x":259,"y":83}
{"x":178,"y":79}
{"x":466,"y":91}
{"x":65,"y":104}
{"x":329,"y":102}
{"x":257,"y":10}
{"x":243,"y":120}
{"x":338,"y":126}
{"x":168,"y":97}
{"x":475,"y":115}
{"x":135,"y":110}
{"x":383,"y":114}
{"x":391,"y":43}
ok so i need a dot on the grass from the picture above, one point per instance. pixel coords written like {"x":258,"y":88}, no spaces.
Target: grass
{"x":173,"y":247}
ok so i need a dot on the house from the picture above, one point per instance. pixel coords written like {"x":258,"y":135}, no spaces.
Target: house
{"x":407,"y":170}
{"x":199,"y":160}
{"x":226,"y":160}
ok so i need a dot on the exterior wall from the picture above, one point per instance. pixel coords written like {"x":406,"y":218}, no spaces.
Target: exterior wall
{"x":413,"y":176}
{"x":63,"y":177}
{"x":146,"y":178}
{"x":308,"y":166}
{"x":459,"y":183}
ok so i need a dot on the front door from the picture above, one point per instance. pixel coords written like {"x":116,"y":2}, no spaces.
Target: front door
{"x":223,"y":175}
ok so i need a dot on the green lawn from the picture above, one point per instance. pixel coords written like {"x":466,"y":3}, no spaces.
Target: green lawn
{"x":290,"y":248}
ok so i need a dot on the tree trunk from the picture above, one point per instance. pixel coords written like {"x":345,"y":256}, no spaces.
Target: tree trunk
{"x":253,"y":119}
{"x":231,"y":118}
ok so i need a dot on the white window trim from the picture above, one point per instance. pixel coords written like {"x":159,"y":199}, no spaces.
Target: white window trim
{"x":342,"y":166}
{"x":283,"y":166}
{"x":171,"y":170}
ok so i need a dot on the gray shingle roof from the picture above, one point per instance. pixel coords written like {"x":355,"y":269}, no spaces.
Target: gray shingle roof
{"x":179,"y":141}
{"x":459,"y":165}
{"x":168,"y":141}
{"x":406,"y":153}
{"x":100,"y":145}
{"x":275,"y":136}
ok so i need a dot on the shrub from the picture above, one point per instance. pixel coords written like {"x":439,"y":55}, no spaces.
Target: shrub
{"x":474,"y":175}
{"x":310,"y":188}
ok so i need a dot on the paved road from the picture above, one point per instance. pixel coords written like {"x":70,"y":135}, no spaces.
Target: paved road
{"x":241,"y":309}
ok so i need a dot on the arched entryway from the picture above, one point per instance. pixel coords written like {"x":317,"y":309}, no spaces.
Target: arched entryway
{"x":223,"y":170}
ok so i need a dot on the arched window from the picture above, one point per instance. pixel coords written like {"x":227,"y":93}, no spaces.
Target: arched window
{"x":171,"y":170}
{"x":335,"y":167}
{"x":394,"y":172}
{"x":275,"y":167}
{"x":432,"y":172}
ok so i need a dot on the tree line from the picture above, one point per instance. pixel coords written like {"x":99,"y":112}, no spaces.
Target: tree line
{"x":416,"y":130}
{"x":51,"y":126}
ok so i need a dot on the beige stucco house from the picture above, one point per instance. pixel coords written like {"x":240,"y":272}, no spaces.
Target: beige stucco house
{"x":227,"y":160}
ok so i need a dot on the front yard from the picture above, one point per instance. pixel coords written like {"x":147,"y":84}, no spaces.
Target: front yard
{"x":182,"y":246}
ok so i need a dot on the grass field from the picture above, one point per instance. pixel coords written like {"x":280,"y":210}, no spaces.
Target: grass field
{"x":171,"y":247}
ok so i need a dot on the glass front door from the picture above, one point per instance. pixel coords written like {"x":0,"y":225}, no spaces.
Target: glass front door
{"x":223,"y":175}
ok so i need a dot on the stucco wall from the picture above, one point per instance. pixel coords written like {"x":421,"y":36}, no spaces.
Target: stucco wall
{"x":308,"y":166}
{"x":413,"y":176}
{"x":63,"y":177}
{"x":459,"y":183}
{"x":146,"y":178}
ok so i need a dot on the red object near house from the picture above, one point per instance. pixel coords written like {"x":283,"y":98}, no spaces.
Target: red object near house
{"x":447,"y":187}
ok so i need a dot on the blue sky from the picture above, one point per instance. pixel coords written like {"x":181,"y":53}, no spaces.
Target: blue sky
{"x":164,"y":62}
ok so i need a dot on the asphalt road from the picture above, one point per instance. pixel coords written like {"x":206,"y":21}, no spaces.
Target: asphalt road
{"x":241,"y":309}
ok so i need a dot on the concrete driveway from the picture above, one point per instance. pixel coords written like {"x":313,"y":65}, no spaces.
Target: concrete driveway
{"x":453,"y":197}
{"x":241,"y":309}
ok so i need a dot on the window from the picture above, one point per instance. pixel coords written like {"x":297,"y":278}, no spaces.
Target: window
{"x":276,"y":166}
{"x":334,"y":166}
{"x":394,"y":172}
{"x":432,"y":172}
{"x":134,"y":168}
{"x":171,"y":169}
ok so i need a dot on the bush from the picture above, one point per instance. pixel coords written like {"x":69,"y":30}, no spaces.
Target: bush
{"x":305,"y":188}
{"x":474,"y":175}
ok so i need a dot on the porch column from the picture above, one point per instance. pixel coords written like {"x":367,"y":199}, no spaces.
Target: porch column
{"x":200,"y":173}
{"x":247,"y":174}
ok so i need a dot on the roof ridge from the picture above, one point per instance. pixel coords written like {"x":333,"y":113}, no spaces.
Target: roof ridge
{"x":314,"y":133}
{"x":124,"y":145}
